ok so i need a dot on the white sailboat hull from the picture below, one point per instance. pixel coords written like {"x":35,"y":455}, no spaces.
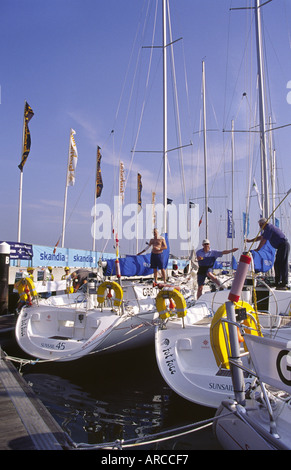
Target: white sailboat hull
{"x":239,"y":428}
{"x":185,"y":356}
{"x":187,"y":364}
{"x":250,"y":427}
{"x":66,"y":332}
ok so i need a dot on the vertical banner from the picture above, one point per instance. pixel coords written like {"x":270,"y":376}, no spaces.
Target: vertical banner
{"x":99,"y":182}
{"x":121,"y":181}
{"x":28,"y":114}
{"x":153,"y":209}
{"x":70,"y":179}
{"x":139,"y":189}
{"x":73,"y":158}
{"x":255,"y":187}
{"x":246,"y":224}
{"x":230,"y":225}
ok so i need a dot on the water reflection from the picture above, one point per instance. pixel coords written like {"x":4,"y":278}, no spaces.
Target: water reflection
{"x":116,"y":397}
{"x":103,"y":401}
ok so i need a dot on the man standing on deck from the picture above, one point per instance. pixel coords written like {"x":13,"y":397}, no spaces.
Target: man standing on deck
{"x":206,"y":259}
{"x":279,"y":241}
{"x":157,"y":259}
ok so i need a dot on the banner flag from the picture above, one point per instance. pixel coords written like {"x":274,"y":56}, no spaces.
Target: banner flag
{"x":139,"y":189}
{"x":99,"y":182}
{"x":28,"y":114}
{"x":121,"y":181}
{"x":230,"y":225}
{"x":73,"y":158}
{"x":255,"y":187}
{"x":246,"y":224}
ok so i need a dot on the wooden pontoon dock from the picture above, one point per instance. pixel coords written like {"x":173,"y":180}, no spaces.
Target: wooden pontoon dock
{"x":25,"y":423}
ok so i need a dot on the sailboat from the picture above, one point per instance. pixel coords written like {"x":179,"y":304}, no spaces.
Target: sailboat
{"x":101,"y":323}
{"x":185,"y":350}
{"x":115,"y":314}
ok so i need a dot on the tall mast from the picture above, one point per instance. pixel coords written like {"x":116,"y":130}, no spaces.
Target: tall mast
{"x":261,"y":84}
{"x":205,"y":149}
{"x":232,"y":181}
{"x":272,"y":170}
{"x":165,"y":121}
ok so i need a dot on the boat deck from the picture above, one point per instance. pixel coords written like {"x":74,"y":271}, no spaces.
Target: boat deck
{"x":25,"y":422}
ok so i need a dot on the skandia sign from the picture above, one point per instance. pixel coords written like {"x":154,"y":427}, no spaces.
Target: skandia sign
{"x":83,"y":259}
{"x":44,"y":256}
{"x":61,"y":257}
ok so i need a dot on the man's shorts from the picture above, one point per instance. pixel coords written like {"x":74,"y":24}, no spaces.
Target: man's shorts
{"x":157,"y":261}
{"x":202,"y":274}
{"x":201,"y":279}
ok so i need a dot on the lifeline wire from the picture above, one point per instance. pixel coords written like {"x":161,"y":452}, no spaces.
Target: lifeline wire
{"x":154,"y":438}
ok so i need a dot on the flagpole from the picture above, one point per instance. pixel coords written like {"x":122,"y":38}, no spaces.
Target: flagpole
{"x":94,"y":220}
{"x":66,"y":194}
{"x":20,"y":206}
{"x":64,"y":215}
{"x":21,"y":181}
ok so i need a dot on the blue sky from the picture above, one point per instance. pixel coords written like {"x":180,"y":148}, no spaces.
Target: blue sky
{"x":75,"y":62}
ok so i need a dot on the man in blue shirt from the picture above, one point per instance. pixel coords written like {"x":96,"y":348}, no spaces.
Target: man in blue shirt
{"x":206,"y":259}
{"x":278,"y":241}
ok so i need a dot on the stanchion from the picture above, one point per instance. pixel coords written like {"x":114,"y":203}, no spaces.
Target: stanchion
{"x":236,"y":371}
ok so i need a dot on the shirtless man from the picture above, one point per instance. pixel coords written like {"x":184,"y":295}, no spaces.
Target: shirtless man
{"x":158,"y":244}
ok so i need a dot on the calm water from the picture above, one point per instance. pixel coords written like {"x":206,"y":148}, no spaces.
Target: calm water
{"x":121,"y":396}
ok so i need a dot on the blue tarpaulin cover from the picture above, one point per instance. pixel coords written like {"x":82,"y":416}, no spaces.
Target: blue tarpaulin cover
{"x":264,"y":259}
{"x":135,"y":265}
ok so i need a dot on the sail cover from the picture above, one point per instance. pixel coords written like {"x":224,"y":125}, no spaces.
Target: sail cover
{"x":264,"y":259}
{"x":135,"y":265}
